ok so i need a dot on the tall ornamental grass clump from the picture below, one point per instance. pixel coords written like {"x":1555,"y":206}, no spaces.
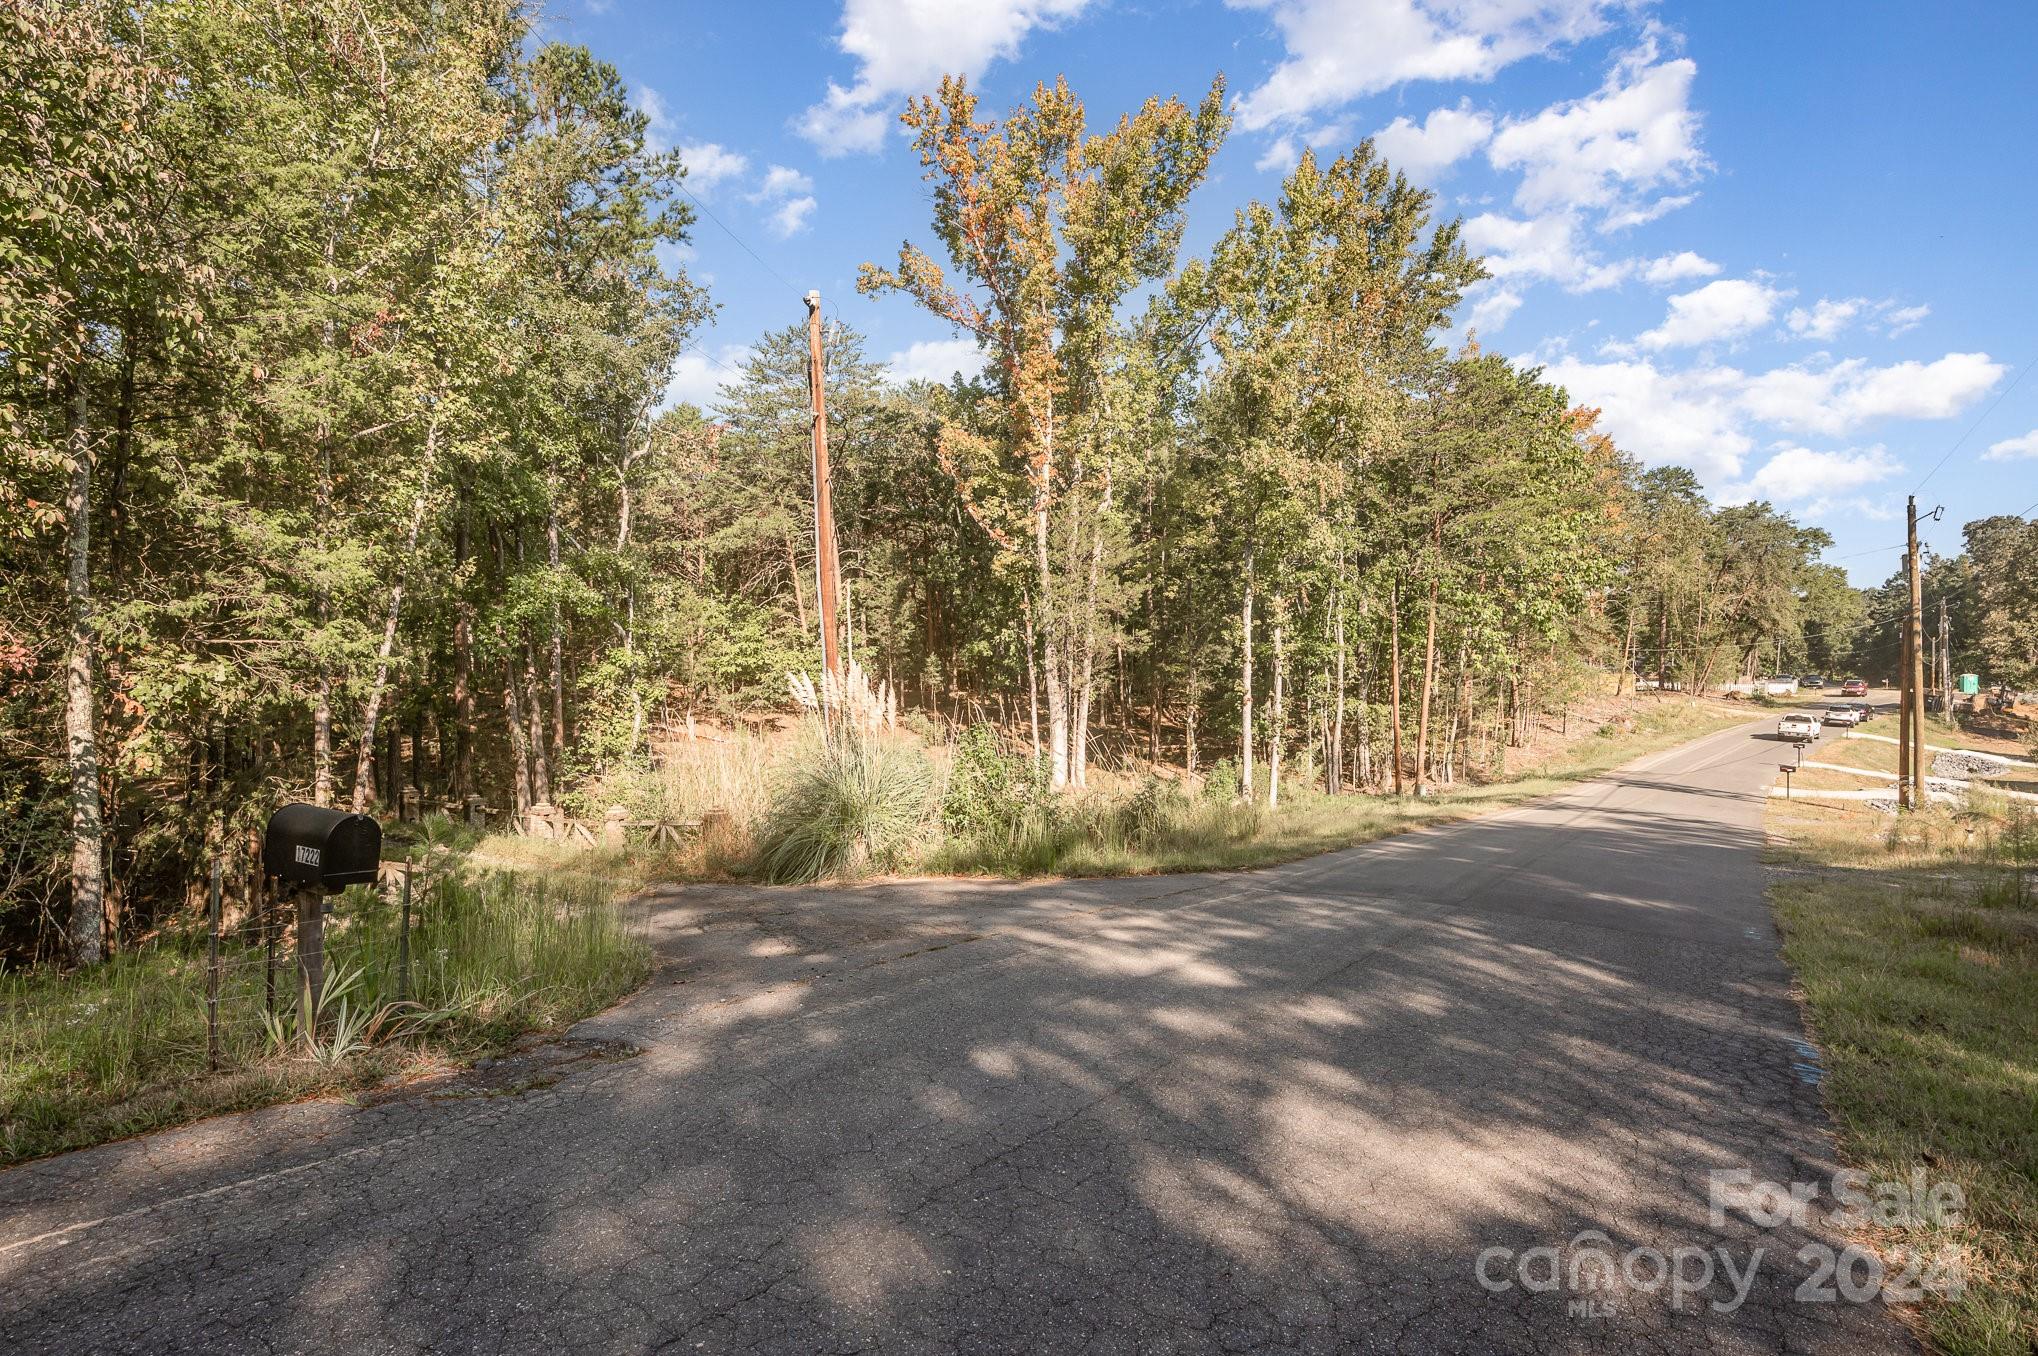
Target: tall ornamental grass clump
{"x":855,"y":802}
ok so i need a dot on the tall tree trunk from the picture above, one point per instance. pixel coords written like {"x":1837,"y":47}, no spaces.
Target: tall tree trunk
{"x":792,"y":567}
{"x":1189,"y":714}
{"x":541,"y":762}
{"x":519,"y":741}
{"x":558,"y":650}
{"x":81,"y":716}
{"x":1394,"y":673}
{"x":1032,"y":675}
{"x":1334,"y":761}
{"x":1627,"y":651}
{"x":1275,"y":716}
{"x":1663,"y":643}
{"x":1363,"y":745}
{"x":322,"y":736}
{"x":1054,"y":651}
{"x":1245,"y":683}
{"x":1079,"y":751}
{"x":625,"y":505}
{"x":463,"y":668}
{"x":1429,"y":667}
{"x":1079,"y":732}
{"x":372,"y":711}
{"x":322,"y":706}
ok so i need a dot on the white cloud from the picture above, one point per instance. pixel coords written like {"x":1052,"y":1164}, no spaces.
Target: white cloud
{"x":1720,"y":310}
{"x":1671,"y":268}
{"x":780,"y":182}
{"x":1795,"y":475}
{"x":1281,"y":155}
{"x":1836,"y":397}
{"x":1687,"y":418}
{"x":1491,"y":308}
{"x":1904,"y":319}
{"x":904,"y":47}
{"x":1338,"y":50}
{"x":708,"y":163}
{"x":1642,"y":213}
{"x":1825,"y":318}
{"x":658,"y":123}
{"x":792,"y":191}
{"x":697,"y":379}
{"x":1324,"y":138}
{"x":2013,"y":449}
{"x":1545,"y":247}
{"x":936,"y":360}
{"x":1445,"y":137}
{"x":1703,"y":416}
{"x":791,"y":217}
{"x":1828,"y":317}
{"x":1611,"y":150}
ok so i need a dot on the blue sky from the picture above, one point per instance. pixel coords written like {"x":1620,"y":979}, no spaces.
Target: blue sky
{"x":1787,"y":244}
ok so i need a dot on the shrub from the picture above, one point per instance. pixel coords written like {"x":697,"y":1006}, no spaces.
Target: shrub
{"x":989,"y":790}
{"x":1221,"y":782}
{"x":856,"y":802}
{"x":1152,"y":811}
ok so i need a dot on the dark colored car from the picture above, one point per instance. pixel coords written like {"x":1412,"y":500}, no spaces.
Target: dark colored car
{"x":1854,"y":687}
{"x":1812,"y":682}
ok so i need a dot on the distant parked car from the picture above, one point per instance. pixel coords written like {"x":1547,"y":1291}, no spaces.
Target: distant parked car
{"x":1812,"y":682}
{"x":1854,"y":687}
{"x":1799,"y":727}
{"x":1842,"y":713}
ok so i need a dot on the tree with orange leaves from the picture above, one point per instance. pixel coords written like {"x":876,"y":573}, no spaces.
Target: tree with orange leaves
{"x":1050,"y":228}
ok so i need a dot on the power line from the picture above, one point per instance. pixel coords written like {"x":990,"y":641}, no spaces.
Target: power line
{"x":1973,"y":426}
{"x":740,"y":241}
{"x":1873,"y":551}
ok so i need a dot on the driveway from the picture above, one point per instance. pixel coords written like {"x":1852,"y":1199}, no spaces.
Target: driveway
{"x":1333,"y":1106}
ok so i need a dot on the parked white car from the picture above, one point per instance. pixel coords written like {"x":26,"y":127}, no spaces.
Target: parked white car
{"x":1799,"y":727}
{"x":1844,"y":714}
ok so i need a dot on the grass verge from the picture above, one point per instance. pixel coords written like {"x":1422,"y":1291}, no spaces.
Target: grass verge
{"x":1916,"y":947}
{"x":100,"y":1054}
{"x":1160,"y":830}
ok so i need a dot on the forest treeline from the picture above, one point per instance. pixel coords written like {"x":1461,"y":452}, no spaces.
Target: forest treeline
{"x":338,"y":460}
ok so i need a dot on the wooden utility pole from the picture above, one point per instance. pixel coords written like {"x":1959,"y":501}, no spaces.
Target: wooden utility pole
{"x":1914,"y":663}
{"x":1903,"y":713}
{"x":826,"y":565}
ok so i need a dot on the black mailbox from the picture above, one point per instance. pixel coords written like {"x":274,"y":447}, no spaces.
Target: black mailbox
{"x":331,"y":849}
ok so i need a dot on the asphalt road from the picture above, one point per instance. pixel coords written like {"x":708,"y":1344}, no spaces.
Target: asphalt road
{"x":1290,"y":1109}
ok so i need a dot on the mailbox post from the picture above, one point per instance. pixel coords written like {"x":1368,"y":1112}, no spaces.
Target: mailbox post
{"x":319,"y":852}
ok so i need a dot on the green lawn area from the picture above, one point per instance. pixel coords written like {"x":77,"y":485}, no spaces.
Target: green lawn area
{"x":1916,"y":948}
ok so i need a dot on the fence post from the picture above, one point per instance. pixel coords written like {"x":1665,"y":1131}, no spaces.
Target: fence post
{"x":311,"y":958}
{"x":403,"y":938}
{"x":212,"y":972}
